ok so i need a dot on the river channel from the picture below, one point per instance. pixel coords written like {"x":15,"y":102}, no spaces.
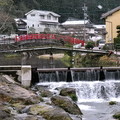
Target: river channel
{"x":93,"y":103}
{"x":93,"y":96}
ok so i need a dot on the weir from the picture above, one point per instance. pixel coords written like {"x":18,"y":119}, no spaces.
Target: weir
{"x":78,"y":74}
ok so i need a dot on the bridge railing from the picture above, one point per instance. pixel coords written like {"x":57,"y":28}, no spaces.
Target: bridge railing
{"x":69,"y":39}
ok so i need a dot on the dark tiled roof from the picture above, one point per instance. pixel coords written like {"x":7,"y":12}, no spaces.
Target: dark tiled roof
{"x":110,"y":12}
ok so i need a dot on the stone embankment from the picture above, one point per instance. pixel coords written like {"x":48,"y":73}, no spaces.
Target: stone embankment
{"x":36,"y":103}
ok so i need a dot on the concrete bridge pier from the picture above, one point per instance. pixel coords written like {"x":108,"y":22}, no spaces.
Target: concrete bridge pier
{"x":26,"y":75}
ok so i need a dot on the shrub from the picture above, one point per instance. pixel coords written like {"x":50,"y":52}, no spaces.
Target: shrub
{"x":90,"y":45}
{"x":106,"y":47}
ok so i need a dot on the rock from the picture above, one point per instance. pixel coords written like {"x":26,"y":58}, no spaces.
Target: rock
{"x":71,"y":92}
{"x":3,"y":114}
{"x":10,"y":118}
{"x":49,"y":112}
{"x":117,"y":116}
{"x":18,"y":106}
{"x":67,"y":104}
{"x":31,"y":118}
{"x":44,"y":92}
{"x":14,"y":93}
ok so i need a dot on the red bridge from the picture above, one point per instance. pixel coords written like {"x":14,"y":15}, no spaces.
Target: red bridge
{"x":46,"y":37}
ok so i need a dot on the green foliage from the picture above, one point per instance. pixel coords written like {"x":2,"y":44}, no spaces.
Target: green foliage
{"x":11,"y":55}
{"x":68,"y":45}
{"x":118,"y":31}
{"x":66,"y":8}
{"x":89,"y":60}
{"x":107,"y":61}
{"x":106,"y":47}
{"x":67,"y":60}
{"x":116,"y":41}
{"x":90,"y":45}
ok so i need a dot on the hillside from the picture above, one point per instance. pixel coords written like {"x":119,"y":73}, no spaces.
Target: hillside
{"x":66,"y":8}
{"x":69,"y":8}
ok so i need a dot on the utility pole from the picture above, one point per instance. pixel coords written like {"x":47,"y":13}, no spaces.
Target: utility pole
{"x":84,"y":8}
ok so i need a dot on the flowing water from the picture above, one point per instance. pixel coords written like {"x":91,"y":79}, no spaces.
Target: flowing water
{"x":93,"y":95}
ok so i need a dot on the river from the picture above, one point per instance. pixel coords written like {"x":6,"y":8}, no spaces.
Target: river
{"x":92,"y":99}
{"x":93,"y":95}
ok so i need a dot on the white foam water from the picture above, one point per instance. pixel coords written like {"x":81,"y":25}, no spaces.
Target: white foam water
{"x":93,"y":97}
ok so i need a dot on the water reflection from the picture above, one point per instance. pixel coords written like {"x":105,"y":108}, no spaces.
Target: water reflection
{"x":34,"y":61}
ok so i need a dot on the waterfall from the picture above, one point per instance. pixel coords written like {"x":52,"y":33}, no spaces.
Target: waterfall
{"x":89,"y":90}
{"x":86,"y":83}
{"x":85,"y":75}
{"x":98,"y":90}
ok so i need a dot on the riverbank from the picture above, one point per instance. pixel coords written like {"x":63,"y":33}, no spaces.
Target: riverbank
{"x":94,"y":102}
{"x":35,"y":103}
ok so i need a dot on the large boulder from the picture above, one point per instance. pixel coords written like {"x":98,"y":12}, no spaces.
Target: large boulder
{"x":11,"y":92}
{"x":67,"y":104}
{"x":71,"y":92}
{"x":49,"y":112}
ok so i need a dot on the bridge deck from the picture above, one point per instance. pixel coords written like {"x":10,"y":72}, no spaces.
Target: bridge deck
{"x":56,"y":48}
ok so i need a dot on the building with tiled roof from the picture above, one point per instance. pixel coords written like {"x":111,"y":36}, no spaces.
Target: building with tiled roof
{"x":112,"y":20}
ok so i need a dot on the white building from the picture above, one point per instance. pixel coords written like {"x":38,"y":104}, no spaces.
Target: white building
{"x":42,"y":21}
{"x":81,"y":29}
{"x":99,"y":31}
{"x":21,"y":25}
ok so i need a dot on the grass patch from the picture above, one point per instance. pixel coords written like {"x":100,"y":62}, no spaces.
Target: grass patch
{"x":11,"y":55}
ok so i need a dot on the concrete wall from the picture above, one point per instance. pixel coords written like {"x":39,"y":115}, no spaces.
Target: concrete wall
{"x":23,"y":72}
{"x":26,"y":76}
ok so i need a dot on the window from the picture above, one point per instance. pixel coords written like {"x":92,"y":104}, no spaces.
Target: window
{"x":47,"y":25}
{"x":42,"y":16}
{"x":32,"y":25}
{"x":55,"y":18}
{"x":32,"y":15}
{"x":48,"y":17}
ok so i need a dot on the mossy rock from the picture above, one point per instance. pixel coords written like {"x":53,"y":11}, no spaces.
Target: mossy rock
{"x":18,"y":106}
{"x":49,"y":112}
{"x":46,"y":93}
{"x":112,"y":103}
{"x":71,"y":92}
{"x":117,"y":116}
{"x":67,"y":104}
